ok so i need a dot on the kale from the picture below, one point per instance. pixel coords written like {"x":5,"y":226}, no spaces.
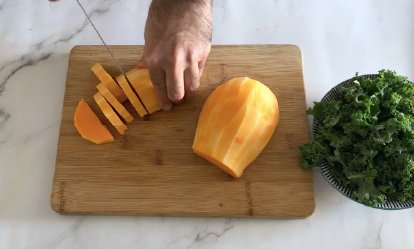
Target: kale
{"x":367,"y":137}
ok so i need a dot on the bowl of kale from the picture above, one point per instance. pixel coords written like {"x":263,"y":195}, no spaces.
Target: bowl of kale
{"x":363,"y":139}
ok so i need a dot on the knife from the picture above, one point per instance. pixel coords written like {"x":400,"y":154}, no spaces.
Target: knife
{"x":114,"y":60}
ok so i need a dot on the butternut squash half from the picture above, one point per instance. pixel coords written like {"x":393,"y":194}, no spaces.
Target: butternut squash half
{"x":235,"y":124}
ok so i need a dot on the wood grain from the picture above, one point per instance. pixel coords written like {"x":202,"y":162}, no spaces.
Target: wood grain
{"x":152,"y":170}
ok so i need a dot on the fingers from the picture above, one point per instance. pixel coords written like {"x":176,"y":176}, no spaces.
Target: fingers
{"x":158,"y":79}
{"x":142,"y":63}
{"x":175,"y":83}
{"x":191,"y":80}
{"x":175,"y":71}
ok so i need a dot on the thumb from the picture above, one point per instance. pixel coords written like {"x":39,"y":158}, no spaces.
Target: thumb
{"x":141,"y":63}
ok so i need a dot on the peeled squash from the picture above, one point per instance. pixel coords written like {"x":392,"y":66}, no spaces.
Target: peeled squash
{"x":235,"y":124}
{"x":119,"y":108}
{"x":110,"y":113}
{"x":140,"y":80}
{"x":110,"y":98}
{"x":89,"y":126}
{"x":136,"y":103}
{"x":108,"y":82}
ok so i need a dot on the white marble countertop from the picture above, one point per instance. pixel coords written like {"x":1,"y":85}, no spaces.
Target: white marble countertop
{"x":337,"y":37}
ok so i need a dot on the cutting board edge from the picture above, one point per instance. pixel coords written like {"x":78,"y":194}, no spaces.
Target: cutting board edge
{"x":189,"y":215}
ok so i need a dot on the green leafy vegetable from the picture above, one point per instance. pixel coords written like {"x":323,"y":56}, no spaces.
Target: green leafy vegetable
{"x":367,"y":137}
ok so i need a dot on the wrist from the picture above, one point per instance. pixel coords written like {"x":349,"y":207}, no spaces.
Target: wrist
{"x":168,"y":18}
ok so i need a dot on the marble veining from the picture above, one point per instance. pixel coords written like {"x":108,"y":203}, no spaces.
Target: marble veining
{"x":92,"y":14}
{"x":3,"y":117}
{"x":22,"y":62}
{"x":70,"y":232}
{"x":31,"y":136}
{"x":222,"y":6}
{"x":196,"y":237}
{"x":376,"y":241}
{"x":201,"y":236}
{"x":337,"y":39}
{"x":32,"y":58}
{"x":4,"y":4}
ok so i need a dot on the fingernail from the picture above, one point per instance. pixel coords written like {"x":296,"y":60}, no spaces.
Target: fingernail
{"x":167,"y":107}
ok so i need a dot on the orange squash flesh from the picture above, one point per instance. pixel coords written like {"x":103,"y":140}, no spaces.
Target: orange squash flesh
{"x":140,"y":80}
{"x":109,"y":82}
{"x":110,"y":113}
{"x":236,"y":123}
{"x":119,"y":108}
{"x":89,"y":126}
{"x":136,"y":103}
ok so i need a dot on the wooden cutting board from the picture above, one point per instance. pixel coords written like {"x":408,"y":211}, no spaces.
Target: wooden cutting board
{"x":152,"y":169}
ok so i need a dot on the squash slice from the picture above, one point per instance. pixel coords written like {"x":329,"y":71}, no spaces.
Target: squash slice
{"x":109,"y":82}
{"x":140,"y":80}
{"x":119,"y":108}
{"x":136,"y":103}
{"x":236,"y":123}
{"x":89,"y":126}
{"x":110,"y":113}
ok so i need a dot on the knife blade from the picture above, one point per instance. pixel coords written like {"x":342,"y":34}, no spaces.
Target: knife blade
{"x":114,"y":60}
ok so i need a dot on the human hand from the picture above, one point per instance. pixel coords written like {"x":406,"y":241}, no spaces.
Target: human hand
{"x":177,"y":44}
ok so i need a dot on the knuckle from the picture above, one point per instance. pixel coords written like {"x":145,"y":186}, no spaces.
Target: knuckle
{"x":174,"y":57}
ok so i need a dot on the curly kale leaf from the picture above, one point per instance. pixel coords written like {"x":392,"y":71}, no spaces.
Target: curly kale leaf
{"x":367,"y":137}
